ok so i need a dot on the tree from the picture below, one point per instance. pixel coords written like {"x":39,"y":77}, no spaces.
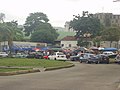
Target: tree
{"x":37,"y":25}
{"x":46,"y":36}
{"x":111,"y":34}
{"x":85,"y":24}
{"x":33,"y":21}
{"x":10,"y":32}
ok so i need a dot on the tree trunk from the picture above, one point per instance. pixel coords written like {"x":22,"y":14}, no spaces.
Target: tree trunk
{"x":10,"y":44}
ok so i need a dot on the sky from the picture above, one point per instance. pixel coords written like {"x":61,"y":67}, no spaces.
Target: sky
{"x":57,"y":11}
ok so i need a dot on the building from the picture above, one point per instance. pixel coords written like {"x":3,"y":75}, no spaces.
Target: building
{"x":110,"y":44}
{"x":69,"y":42}
{"x":108,"y":19}
{"x":67,"y":27}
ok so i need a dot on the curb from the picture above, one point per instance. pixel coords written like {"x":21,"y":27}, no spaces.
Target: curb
{"x":60,"y":67}
{"x":34,"y":70}
{"x":18,"y":72}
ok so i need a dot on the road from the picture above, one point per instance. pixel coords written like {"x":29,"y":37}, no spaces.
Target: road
{"x":80,"y":77}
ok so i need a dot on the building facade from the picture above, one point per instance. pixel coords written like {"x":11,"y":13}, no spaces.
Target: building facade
{"x":108,"y":19}
{"x":69,"y":42}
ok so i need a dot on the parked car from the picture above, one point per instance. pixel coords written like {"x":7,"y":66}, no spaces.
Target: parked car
{"x":74,"y":58}
{"x":108,"y":53}
{"x":89,"y":58}
{"x":117,"y":59}
{"x":3,"y":54}
{"x":35,"y":55}
{"x":103,"y":58}
{"x":19,"y":55}
{"x":45,"y":57}
{"x":57,"y":56}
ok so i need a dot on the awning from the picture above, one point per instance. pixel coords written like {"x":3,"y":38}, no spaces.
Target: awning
{"x":110,"y":49}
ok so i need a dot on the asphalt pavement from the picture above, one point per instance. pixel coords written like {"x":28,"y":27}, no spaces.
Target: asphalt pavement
{"x":80,"y":77}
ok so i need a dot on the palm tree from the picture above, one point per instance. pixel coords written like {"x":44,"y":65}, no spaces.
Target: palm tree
{"x":10,"y":31}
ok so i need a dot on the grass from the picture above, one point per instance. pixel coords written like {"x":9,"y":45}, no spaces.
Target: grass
{"x":24,"y":62}
{"x":28,"y":64}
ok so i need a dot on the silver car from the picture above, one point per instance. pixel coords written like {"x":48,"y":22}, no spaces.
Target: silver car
{"x":89,"y":58}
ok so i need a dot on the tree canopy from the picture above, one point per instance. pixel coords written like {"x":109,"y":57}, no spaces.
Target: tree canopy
{"x":111,"y":34}
{"x":37,"y":25}
{"x":85,"y":24}
{"x":33,"y":21}
{"x":9,"y":32}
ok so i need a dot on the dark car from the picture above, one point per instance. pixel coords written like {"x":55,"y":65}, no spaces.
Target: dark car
{"x":35,"y":55}
{"x":89,"y":58}
{"x":103,"y":58}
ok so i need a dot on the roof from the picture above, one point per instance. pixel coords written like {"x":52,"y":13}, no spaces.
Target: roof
{"x":63,"y":34}
{"x":69,"y":38}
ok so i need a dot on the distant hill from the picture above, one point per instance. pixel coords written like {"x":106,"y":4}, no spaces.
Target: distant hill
{"x":63,"y":34}
{"x":59,"y":28}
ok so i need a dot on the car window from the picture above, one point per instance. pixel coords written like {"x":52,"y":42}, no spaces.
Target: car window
{"x":60,"y":54}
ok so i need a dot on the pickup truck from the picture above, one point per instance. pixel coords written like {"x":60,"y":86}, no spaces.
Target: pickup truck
{"x":57,"y":56}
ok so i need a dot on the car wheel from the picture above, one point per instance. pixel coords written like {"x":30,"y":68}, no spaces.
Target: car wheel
{"x":80,"y":61}
{"x":55,"y":59}
{"x":97,"y":62}
{"x":108,"y":62}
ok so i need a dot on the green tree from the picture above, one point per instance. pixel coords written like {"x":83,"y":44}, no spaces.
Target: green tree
{"x":44,"y":35}
{"x":33,"y":21}
{"x":111,"y":34}
{"x":86,"y":24}
{"x":10,"y":32}
{"x":37,"y":25}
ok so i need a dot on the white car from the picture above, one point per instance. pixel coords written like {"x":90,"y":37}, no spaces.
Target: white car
{"x":57,"y":56}
{"x":3,"y":54}
{"x":108,"y":53}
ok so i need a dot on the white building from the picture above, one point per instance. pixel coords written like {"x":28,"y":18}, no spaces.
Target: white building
{"x":69,"y":42}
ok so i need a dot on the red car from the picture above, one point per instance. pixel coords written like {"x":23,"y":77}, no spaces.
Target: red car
{"x":45,"y":57}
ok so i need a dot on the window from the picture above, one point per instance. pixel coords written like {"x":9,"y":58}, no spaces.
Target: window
{"x":69,"y":45}
{"x":62,"y":45}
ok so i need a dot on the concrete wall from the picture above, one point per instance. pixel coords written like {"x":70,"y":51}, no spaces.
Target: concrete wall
{"x":66,"y":44}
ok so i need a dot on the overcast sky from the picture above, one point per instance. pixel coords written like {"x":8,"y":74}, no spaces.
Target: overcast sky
{"x":58,"y":11}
